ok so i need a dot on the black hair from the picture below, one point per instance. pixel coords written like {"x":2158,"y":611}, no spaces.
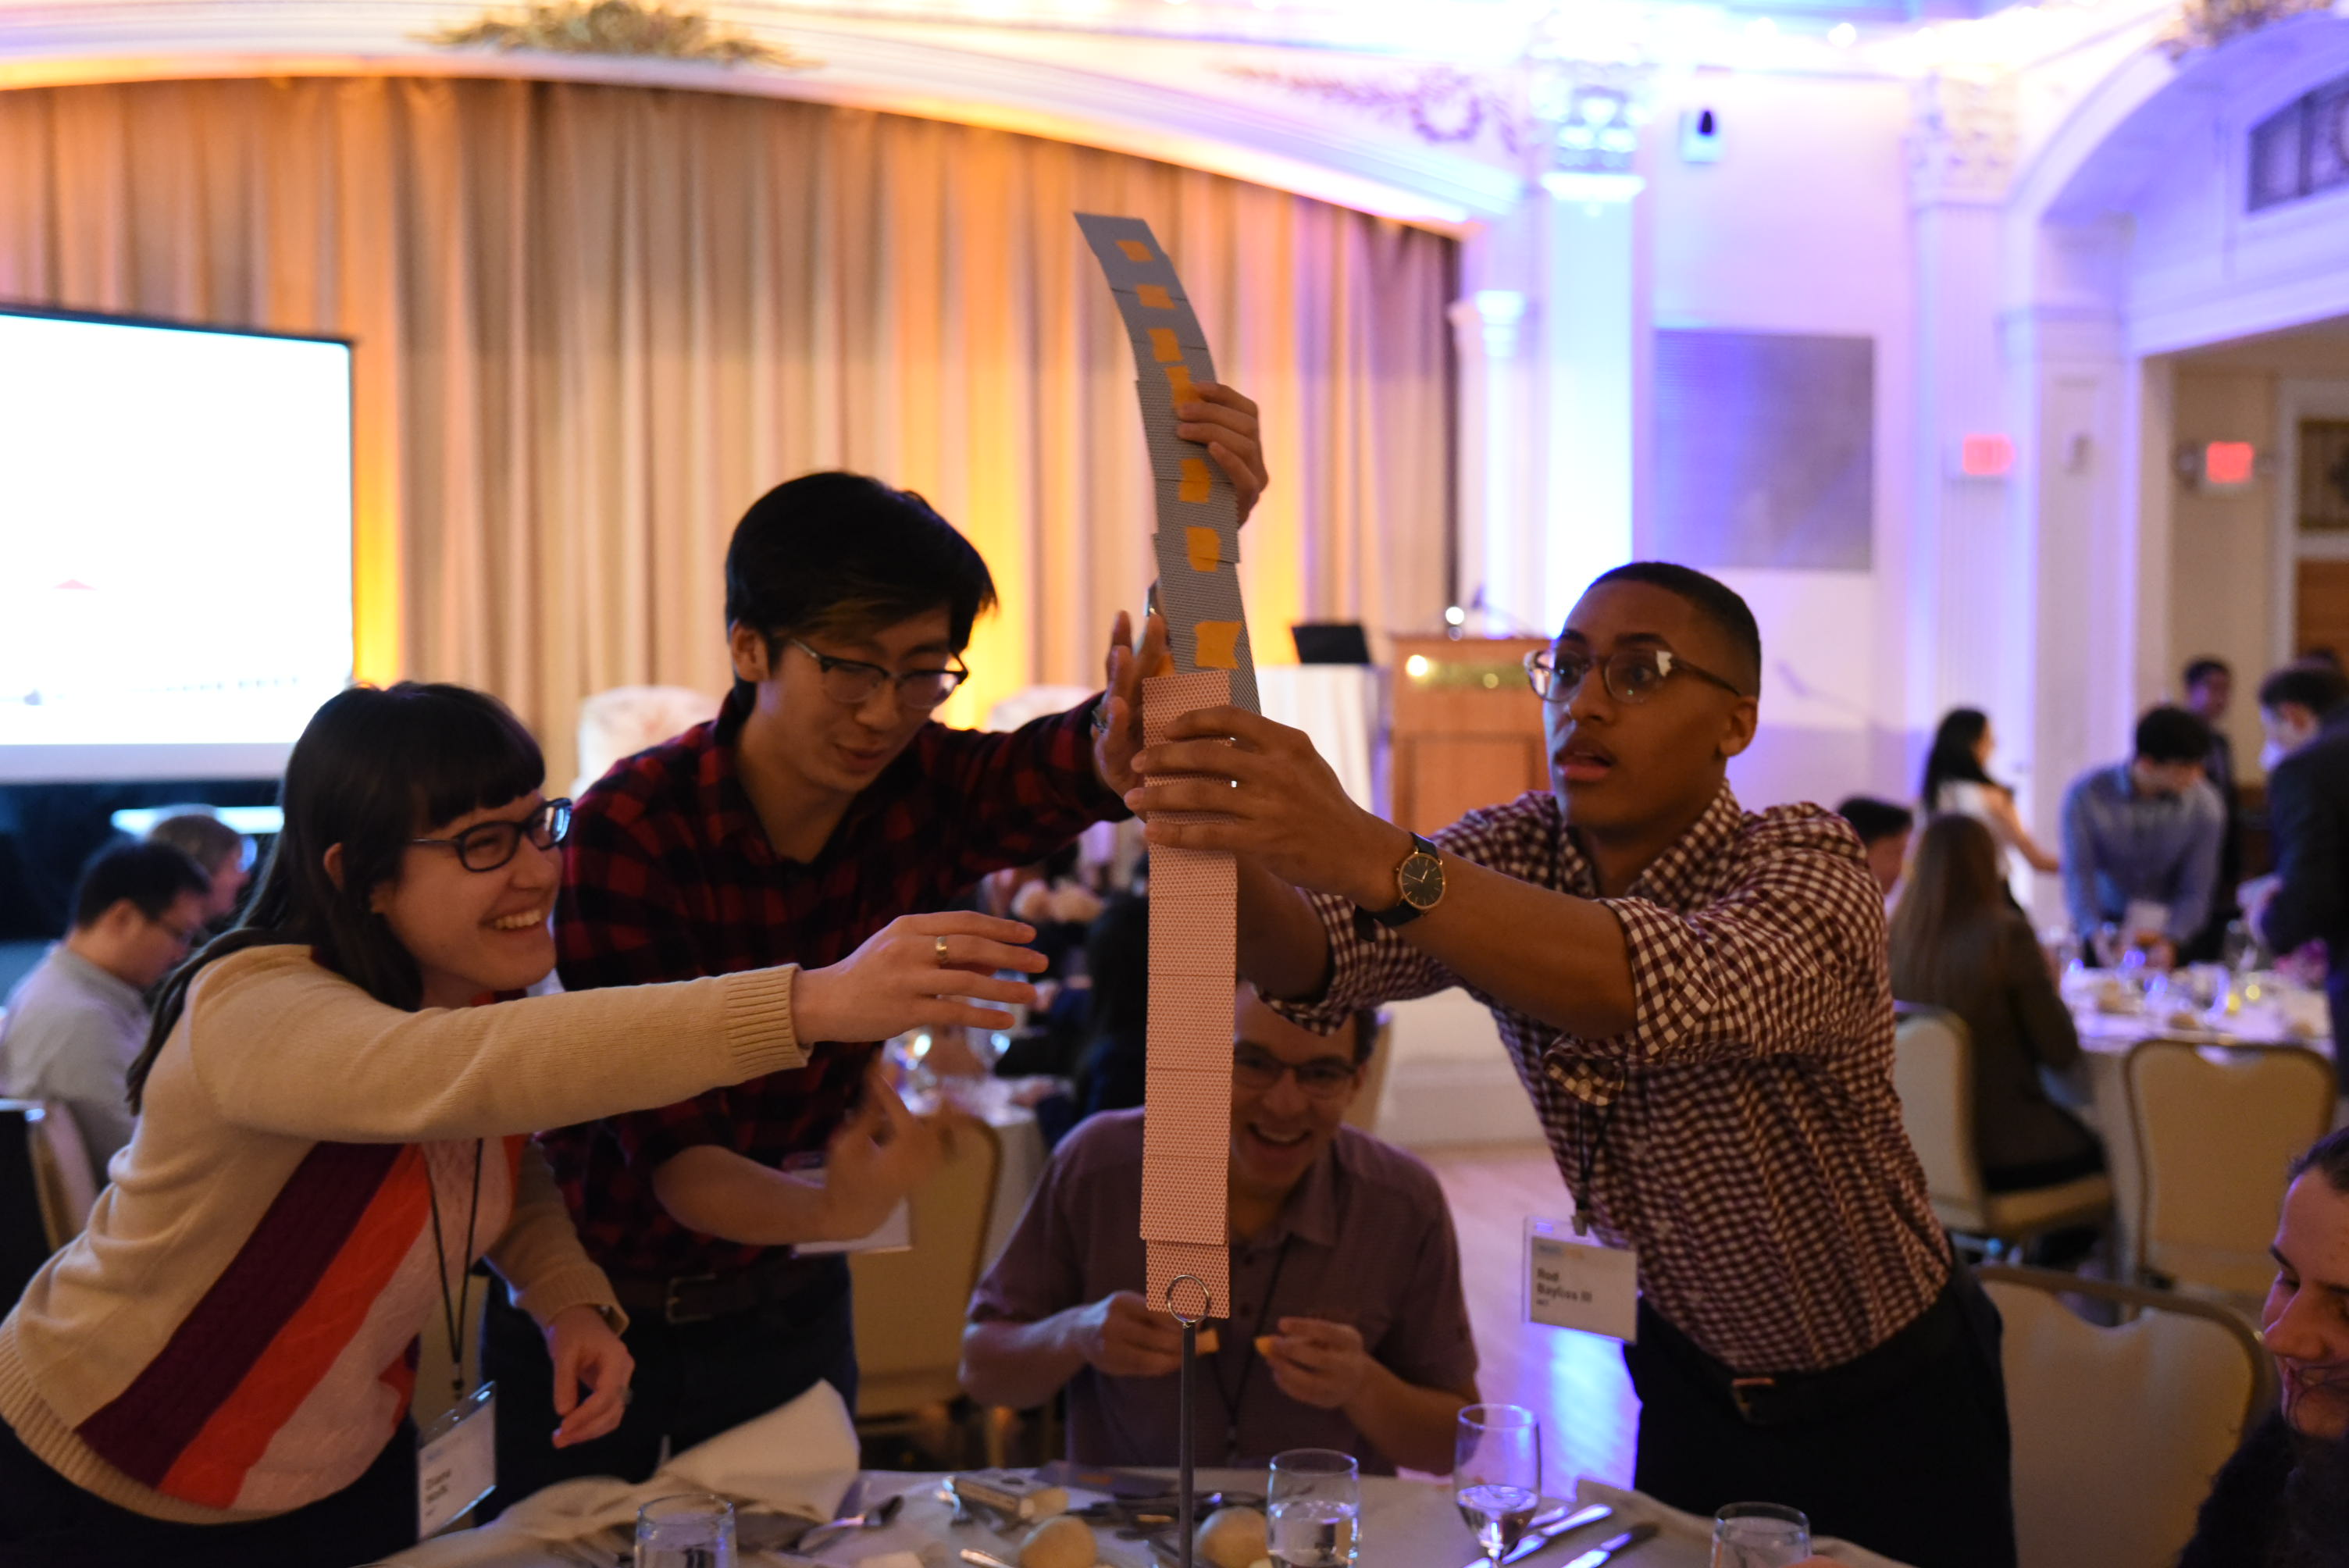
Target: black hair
{"x":1873,"y":819}
{"x":830,"y":551}
{"x":1951,"y":759}
{"x":374,"y":769}
{"x":152,"y":877}
{"x":2329,"y":1154}
{"x":2172,"y":734}
{"x":2320,"y":689}
{"x":1714,"y":600}
{"x":2202,"y":669}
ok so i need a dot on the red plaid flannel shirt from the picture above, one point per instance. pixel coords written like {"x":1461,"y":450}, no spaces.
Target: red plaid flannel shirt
{"x":1753,"y":1151}
{"x":668,"y":876}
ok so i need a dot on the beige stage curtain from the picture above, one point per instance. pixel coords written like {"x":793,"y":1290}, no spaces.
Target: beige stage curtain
{"x":593,"y":322}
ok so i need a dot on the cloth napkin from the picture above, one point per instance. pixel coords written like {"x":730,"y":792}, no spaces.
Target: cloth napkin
{"x":1637,"y":1508}
{"x":797,"y":1459}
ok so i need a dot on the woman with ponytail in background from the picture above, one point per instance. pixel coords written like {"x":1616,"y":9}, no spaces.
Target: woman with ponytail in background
{"x":218,"y":1370}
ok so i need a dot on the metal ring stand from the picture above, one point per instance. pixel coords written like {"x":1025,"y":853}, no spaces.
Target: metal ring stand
{"x":1185,"y":1458}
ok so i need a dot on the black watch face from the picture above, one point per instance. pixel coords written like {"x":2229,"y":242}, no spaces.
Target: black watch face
{"x":1423,"y":880}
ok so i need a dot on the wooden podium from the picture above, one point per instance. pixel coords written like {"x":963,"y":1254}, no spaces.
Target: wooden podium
{"x":1467,"y":729}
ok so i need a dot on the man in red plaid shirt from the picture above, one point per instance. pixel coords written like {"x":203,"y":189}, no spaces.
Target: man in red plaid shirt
{"x":822,"y":804}
{"x":1697,"y":1001}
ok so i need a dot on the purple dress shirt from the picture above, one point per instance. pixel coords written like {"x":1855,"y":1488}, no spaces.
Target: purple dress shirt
{"x":1365,"y":1240}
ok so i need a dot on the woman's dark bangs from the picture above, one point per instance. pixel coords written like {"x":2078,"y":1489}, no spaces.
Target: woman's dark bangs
{"x":468,"y":755}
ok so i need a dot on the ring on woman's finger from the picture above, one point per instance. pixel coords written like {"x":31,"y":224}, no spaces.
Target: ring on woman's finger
{"x":942,"y":951}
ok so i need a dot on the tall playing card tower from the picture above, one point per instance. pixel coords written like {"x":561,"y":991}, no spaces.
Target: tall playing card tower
{"x":1193,"y":893}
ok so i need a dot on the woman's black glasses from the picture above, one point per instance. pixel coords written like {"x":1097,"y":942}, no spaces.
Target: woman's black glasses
{"x":486,"y":846}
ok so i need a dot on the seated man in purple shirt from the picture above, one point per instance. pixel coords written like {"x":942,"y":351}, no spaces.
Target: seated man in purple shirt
{"x":1349,"y":1329}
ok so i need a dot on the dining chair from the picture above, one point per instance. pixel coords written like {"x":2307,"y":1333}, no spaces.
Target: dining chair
{"x":1932,"y":1070}
{"x":30,"y":1212}
{"x":910,"y":1304}
{"x":62,"y":1175}
{"x":621,"y":721}
{"x":2217,"y":1129}
{"x":2118,"y":1432}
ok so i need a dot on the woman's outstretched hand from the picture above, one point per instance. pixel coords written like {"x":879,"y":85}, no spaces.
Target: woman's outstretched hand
{"x":914,"y":973}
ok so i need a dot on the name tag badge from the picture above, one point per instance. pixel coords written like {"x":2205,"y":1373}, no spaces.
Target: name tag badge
{"x":457,"y":1461}
{"x":1579,"y":1282}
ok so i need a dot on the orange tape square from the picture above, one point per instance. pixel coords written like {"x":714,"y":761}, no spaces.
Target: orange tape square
{"x":1219,"y":644}
{"x":1196,"y":486}
{"x":1153,"y":297}
{"x":1178,"y":383}
{"x":1162,"y":346}
{"x":1135,"y":251}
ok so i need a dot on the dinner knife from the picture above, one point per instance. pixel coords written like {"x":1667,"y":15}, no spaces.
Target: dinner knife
{"x":1607,"y":1551}
{"x":1542,"y":1535}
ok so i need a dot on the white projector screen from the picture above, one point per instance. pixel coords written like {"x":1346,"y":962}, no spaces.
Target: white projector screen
{"x":175,"y":547}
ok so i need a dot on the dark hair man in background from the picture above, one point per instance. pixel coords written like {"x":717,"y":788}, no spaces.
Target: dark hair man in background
{"x":822,"y":803}
{"x":2141,"y":839}
{"x":1698,"y":1000}
{"x":1883,"y":828}
{"x":2305,"y":708}
{"x":77,"y":1021}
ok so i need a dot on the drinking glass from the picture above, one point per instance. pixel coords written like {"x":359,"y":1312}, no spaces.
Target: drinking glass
{"x":1315,"y":1501}
{"x":1496,"y":1474}
{"x":1760,"y":1535}
{"x":694,"y":1529}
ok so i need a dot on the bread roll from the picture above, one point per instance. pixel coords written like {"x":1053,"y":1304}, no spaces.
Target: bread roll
{"x":1062,"y":1542}
{"x":1233,"y":1538}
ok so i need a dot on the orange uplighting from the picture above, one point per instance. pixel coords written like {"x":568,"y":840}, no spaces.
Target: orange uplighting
{"x":2228,"y":463}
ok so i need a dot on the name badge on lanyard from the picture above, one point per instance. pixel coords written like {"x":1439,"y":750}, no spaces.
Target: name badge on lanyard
{"x":1576,"y":1281}
{"x":457,"y":1461}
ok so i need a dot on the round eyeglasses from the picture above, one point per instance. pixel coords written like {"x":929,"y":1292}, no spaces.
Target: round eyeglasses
{"x":853,"y":681}
{"x":1258,"y":1071}
{"x":1632,"y":676}
{"x":486,"y":846}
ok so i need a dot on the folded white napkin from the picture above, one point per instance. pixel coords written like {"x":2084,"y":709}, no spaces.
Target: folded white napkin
{"x":797,"y":1459}
{"x":1640,"y":1508}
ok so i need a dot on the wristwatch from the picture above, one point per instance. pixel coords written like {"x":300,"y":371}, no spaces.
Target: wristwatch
{"x":1420,"y":883}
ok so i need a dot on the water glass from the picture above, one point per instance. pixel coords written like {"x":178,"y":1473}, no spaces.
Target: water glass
{"x":695,"y":1530}
{"x":1496,"y":1474}
{"x":1315,"y":1503}
{"x":1760,"y":1535}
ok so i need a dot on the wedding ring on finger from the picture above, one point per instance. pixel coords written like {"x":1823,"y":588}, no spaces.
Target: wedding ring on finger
{"x":941,"y":944}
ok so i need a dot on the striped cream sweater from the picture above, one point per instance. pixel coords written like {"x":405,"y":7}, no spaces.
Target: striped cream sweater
{"x":233,"y":1334}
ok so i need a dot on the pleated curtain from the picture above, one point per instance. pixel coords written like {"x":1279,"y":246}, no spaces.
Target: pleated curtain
{"x":593,"y":322}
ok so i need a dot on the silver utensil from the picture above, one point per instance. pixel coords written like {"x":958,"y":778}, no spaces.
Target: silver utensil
{"x":1606,"y":1551}
{"x":1548,"y":1529}
{"x":973,"y":1555}
{"x":872,"y":1518}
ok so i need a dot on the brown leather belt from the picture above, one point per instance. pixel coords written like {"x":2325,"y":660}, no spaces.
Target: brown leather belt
{"x":698,"y":1298}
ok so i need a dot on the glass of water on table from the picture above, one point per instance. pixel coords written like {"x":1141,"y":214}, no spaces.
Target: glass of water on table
{"x":1315,"y":1504}
{"x":1760,"y":1535}
{"x":692,"y":1530}
{"x":1497,"y":1475}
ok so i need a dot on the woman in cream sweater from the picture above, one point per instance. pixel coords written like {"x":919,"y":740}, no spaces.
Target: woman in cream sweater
{"x":331,"y":1131}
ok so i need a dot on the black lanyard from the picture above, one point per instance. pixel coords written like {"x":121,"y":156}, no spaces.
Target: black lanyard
{"x":1587,"y":1149}
{"x":453,"y":1314}
{"x":1231,"y":1398}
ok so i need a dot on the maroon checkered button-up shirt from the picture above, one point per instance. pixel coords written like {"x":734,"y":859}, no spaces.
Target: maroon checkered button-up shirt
{"x":1753,"y":1149}
{"x":668,"y":876}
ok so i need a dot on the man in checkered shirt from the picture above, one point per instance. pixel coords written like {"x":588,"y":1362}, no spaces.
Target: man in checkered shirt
{"x":1697,"y":999}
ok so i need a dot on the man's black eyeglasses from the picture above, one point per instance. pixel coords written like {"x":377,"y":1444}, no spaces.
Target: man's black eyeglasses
{"x":1256,"y":1069}
{"x":486,"y":846}
{"x":853,"y":681}
{"x":1632,"y":675}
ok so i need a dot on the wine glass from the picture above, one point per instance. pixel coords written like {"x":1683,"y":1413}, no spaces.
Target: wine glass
{"x":1315,"y":1508}
{"x":1497,"y":1475}
{"x":692,"y":1530}
{"x":1760,"y":1535}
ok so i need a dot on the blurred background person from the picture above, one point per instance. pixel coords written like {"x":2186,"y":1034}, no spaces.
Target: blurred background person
{"x":1884,"y":830}
{"x":221,"y":853}
{"x":2306,"y":711}
{"x":1957,"y":778}
{"x":76,"y":1024}
{"x":1959,"y":942}
{"x":2209,"y":685}
{"x":2141,"y":842}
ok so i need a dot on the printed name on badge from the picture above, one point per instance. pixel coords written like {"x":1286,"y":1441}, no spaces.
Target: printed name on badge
{"x":1576,"y":1282}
